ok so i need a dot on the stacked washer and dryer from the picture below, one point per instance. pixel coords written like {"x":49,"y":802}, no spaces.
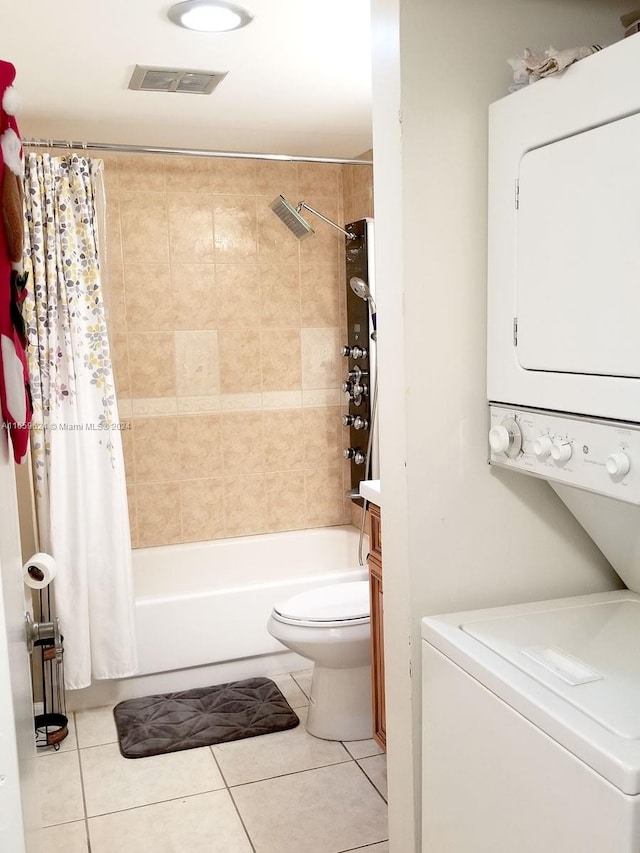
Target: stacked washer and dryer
{"x":532,"y":712}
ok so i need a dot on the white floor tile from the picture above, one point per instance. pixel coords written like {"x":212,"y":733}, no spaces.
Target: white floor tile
{"x":303,"y":680}
{"x":206,"y":823}
{"x":383,"y":847}
{"x":271,"y":755}
{"x":376,"y":769}
{"x":290,"y":690}
{"x":66,"y":838}
{"x":363,"y":748}
{"x":60,"y":788}
{"x":317,"y":811}
{"x":96,"y":727}
{"x":113,"y":783}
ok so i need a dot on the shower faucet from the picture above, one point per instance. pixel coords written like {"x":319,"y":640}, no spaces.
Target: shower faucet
{"x":356,"y":421}
{"x":354,"y":352}
{"x":354,"y":389}
{"x":355,"y":453}
{"x":357,"y":373}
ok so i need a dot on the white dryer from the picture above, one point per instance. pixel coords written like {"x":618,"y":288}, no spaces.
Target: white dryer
{"x":563,"y":259}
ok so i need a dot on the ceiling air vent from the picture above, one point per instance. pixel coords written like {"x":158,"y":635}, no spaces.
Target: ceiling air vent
{"x":146,"y":79}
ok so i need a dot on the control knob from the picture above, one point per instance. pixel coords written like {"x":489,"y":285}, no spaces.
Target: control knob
{"x":347,"y":420}
{"x":360,"y":423}
{"x":618,"y":464}
{"x":542,"y":446}
{"x":506,"y":438}
{"x":561,"y":451}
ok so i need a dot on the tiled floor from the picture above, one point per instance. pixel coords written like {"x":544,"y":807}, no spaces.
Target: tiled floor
{"x":280,"y":793}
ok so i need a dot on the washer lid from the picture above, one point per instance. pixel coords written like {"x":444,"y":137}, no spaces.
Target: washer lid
{"x":334,"y":603}
{"x":587,"y":655}
{"x":570,"y":666}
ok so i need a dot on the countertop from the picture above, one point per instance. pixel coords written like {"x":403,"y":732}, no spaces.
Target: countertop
{"x":370,"y":490}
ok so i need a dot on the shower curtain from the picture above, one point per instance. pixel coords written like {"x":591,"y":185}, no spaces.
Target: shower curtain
{"x":76,"y":446}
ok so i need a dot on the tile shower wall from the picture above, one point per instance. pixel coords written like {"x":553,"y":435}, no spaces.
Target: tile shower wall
{"x":357,"y":190}
{"x":225,"y":333}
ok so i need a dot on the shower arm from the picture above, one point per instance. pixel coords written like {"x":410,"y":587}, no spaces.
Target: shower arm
{"x":302,"y":204}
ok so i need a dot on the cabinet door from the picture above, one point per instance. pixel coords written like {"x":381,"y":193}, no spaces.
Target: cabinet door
{"x":375,"y":540}
{"x":377,"y":651}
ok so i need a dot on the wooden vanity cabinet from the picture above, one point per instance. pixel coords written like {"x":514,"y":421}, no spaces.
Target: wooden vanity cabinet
{"x":377,"y":630}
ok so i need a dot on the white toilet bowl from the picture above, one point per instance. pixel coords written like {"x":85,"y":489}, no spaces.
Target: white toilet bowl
{"x":331,"y":626}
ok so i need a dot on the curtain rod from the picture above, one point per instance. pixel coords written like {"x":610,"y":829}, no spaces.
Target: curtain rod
{"x":185,"y":152}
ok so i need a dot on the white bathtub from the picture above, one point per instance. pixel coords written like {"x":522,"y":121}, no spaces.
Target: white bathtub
{"x":202,"y":609}
{"x":209,"y":602}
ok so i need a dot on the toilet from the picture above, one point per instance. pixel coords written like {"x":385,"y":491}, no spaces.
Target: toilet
{"x":330,"y":625}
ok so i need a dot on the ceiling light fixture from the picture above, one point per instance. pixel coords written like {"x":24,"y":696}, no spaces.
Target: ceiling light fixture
{"x":209,"y":16}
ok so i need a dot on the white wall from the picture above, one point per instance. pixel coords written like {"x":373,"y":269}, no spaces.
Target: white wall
{"x":11,"y":823}
{"x":20,"y":817}
{"x":457,"y":534}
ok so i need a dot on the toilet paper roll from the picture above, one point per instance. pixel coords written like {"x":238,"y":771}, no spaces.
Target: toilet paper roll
{"x":39,"y":571}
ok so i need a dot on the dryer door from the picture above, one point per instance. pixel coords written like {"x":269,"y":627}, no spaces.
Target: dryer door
{"x":578,"y":253}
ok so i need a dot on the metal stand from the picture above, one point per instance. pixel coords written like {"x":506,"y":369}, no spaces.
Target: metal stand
{"x":51,"y":726}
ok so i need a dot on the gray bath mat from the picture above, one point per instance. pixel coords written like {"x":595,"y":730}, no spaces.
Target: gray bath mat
{"x":170,"y":722}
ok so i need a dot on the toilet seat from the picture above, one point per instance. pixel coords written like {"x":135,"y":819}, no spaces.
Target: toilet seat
{"x":337,"y":605}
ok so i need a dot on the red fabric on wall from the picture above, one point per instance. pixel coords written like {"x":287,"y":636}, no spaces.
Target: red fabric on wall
{"x":15,"y":401}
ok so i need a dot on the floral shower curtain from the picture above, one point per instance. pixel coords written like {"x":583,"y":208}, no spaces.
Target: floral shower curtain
{"x":75,"y":443}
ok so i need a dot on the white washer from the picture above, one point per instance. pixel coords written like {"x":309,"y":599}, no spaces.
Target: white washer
{"x":532,"y":728}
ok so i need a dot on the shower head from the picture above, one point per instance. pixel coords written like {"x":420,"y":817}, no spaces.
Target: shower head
{"x":361,"y":289}
{"x":298,"y":226}
{"x":286,"y":212}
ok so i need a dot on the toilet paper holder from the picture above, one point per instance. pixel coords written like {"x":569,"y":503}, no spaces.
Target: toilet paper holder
{"x":51,"y":724}
{"x":40,"y":632}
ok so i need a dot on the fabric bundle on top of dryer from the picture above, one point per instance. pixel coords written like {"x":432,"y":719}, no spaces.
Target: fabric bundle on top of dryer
{"x":531,"y":67}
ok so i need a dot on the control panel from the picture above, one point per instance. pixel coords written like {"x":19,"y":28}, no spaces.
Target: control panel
{"x":597,"y":455}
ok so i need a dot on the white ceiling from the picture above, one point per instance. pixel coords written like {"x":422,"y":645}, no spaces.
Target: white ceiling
{"x":299,"y":78}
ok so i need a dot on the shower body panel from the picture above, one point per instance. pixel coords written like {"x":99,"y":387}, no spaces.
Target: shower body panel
{"x":360,"y":381}
{"x":359,"y":352}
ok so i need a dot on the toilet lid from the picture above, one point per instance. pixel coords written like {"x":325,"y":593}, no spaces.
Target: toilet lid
{"x":335,"y":603}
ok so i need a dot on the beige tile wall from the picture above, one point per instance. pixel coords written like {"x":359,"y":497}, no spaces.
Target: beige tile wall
{"x":225,"y":333}
{"x":357,"y":189}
